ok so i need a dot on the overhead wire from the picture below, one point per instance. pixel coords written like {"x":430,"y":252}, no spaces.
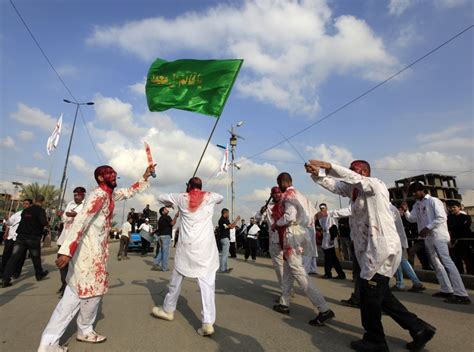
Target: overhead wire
{"x":370,"y":90}
{"x":55,"y":71}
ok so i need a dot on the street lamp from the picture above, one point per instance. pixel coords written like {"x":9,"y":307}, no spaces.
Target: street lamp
{"x":69,"y":147}
{"x":233,"y":143}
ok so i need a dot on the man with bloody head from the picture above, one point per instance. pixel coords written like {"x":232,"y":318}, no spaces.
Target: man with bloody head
{"x":378,"y":251}
{"x":196,"y":253}
{"x":297,"y":221}
{"x":271,"y":214}
{"x":85,"y":246}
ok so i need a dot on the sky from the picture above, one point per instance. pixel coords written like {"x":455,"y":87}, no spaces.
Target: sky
{"x":302,"y":61}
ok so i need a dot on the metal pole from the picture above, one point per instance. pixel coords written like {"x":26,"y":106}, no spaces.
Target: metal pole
{"x":123,"y":211}
{"x":67,"y":159}
{"x":205,"y":148}
{"x":232,"y":204}
{"x":63,"y":195}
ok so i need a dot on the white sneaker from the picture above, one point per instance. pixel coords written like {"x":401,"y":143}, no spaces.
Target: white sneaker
{"x":54,"y":348}
{"x":159,"y":313}
{"x":206,"y":330}
{"x":92,"y":337}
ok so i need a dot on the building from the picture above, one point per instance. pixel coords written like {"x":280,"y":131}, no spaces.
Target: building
{"x":440,"y":186}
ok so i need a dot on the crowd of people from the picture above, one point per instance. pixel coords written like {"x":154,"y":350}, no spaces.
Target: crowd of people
{"x":376,"y":235}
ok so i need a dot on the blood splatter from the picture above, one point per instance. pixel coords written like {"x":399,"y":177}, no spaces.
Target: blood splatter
{"x":135,"y":186}
{"x":196,"y":197}
{"x":72,"y":248}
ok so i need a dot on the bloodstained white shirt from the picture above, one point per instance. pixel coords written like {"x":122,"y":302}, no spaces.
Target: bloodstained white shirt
{"x":68,"y":220}
{"x":196,"y":251}
{"x":376,"y":240}
{"x":87,"y":240}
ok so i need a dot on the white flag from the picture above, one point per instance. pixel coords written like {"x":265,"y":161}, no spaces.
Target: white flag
{"x":53,"y":140}
{"x":225,"y":162}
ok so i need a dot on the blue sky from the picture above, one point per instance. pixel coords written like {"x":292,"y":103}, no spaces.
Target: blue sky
{"x":302,"y":60}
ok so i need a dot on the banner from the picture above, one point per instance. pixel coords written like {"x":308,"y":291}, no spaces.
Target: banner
{"x":201,"y":86}
{"x":53,"y":140}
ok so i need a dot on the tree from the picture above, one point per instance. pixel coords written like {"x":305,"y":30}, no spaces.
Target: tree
{"x":49,"y":192}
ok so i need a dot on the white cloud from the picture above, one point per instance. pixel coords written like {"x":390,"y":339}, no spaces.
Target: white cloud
{"x":288,"y":55}
{"x":250,"y":168}
{"x":7,"y":142}
{"x":34,"y":117}
{"x":331,"y":153}
{"x":112,"y":111}
{"x":450,"y":3}
{"x":456,"y":137}
{"x":407,"y":36}
{"x":398,"y":7}
{"x":81,"y":165}
{"x":138,"y":88}
{"x":34,"y":171}
{"x":279,"y":154}
{"x":258,"y":195}
{"x":409,"y":164}
{"x":468,"y":197}
{"x":25,"y":135}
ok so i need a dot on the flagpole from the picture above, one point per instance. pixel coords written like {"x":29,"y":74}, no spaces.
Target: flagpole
{"x":50,"y":168}
{"x":205,"y":148}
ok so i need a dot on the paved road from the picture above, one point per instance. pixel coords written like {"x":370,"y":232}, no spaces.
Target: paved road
{"x":245,"y":320}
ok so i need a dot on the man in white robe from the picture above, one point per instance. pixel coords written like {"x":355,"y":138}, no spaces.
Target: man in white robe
{"x":297,"y":221}
{"x":86,"y":248}
{"x":378,"y":251}
{"x":196,"y":252}
{"x":430,"y":215}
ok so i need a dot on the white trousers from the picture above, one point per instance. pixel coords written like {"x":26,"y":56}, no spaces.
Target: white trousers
{"x":310,"y":264}
{"x":276,"y":253}
{"x":207,"y":286}
{"x":65,"y":311}
{"x":446,"y":272}
{"x":294,"y":265}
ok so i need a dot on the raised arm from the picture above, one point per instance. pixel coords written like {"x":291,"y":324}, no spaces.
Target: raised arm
{"x":140,"y":185}
{"x":341,"y":213}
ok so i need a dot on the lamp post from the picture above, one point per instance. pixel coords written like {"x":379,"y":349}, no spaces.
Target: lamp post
{"x":233,"y":143}
{"x":69,"y":147}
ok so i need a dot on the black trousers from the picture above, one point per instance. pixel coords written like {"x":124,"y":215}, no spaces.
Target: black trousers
{"x":232,"y":250}
{"x":22,"y":244}
{"x":419,"y":249}
{"x":463,"y":252}
{"x":251,"y":248}
{"x":355,"y":276}
{"x":331,"y":261}
{"x":375,"y":296}
{"x":63,"y":272}
{"x":7,"y":253}
{"x":145,"y":246}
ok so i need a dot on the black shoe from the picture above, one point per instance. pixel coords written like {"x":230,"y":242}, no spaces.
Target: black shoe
{"x":6,"y":283}
{"x":454,"y":299}
{"x":61,"y":289}
{"x":421,"y":337}
{"x":229,"y":270}
{"x":442,"y":294}
{"x":417,"y":288}
{"x":280,"y":308}
{"x":322,"y":318}
{"x":327,"y":277}
{"x":350,"y":303}
{"x":340,"y":277}
{"x":367,"y":346}
{"x":42,"y":275}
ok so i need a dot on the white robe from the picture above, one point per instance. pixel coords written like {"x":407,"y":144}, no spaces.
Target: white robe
{"x":196,"y":252}
{"x":376,"y":241}
{"x":87,"y":241}
{"x":68,"y":220}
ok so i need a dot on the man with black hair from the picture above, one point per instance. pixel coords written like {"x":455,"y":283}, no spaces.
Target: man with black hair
{"x":10,"y":236}
{"x":164,"y":232}
{"x":297,"y":221}
{"x":67,"y":217}
{"x":328,"y":224}
{"x":459,"y":226}
{"x":429,"y":214}
{"x":378,"y":251}
{"x":224,"y":240}
{"x":196,"y":253}
{"x":30,"y":231}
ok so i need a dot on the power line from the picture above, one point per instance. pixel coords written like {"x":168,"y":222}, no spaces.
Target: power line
{"x":90,"y":138}
{"x":55,"y":71}
{"x":366,"y":92}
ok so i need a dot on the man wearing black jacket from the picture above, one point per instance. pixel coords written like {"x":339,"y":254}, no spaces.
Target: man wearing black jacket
{"x":30,"y":231}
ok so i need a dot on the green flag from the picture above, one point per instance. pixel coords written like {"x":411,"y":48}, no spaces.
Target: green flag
{"x":196,"y":85}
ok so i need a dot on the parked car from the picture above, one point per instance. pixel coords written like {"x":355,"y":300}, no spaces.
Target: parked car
{"x":135,"y":243}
